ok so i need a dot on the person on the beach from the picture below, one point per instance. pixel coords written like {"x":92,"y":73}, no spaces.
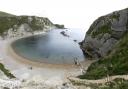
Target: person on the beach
{"x":76,"y":61}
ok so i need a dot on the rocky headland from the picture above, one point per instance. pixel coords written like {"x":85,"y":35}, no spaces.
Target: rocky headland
{"x":18,"y":26}
{"x":105,"y":33}
{"x":107,"y":41}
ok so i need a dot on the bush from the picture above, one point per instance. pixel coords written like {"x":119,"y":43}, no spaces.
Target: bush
{"x":5,"y":71}
{"x":102,"y":30}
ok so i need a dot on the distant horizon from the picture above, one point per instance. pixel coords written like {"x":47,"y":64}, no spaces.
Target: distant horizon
{"x":72,"y":14}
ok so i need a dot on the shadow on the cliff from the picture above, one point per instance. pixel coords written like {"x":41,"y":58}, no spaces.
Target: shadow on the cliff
{"x":86,"y":54}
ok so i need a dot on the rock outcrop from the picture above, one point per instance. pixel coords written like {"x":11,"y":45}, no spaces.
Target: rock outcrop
{"x":104,"y":33}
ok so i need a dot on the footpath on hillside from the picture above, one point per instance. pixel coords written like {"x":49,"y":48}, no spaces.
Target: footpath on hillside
{"x":98,"y":81}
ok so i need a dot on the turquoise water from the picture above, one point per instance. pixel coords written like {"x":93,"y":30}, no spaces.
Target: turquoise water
{"x":52,"y":47}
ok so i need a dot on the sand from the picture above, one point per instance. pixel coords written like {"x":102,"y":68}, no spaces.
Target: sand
{"x":21,"y":68}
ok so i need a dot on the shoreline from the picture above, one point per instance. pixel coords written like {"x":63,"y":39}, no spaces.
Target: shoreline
{"x":26,"y":61}
{"x":20,"y":67}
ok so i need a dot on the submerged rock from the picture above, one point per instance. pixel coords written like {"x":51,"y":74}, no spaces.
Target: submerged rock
{"x":64,"y":34}
{"x":75,"y":40}
{"x":104,"y":33}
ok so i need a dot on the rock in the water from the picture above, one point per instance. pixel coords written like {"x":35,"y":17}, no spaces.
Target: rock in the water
{"x":64,"y":34}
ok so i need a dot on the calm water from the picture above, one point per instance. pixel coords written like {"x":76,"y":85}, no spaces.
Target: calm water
{"x":52,"y":47}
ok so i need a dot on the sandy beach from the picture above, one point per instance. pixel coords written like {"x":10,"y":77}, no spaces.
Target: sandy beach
{"x":24,"y":69}
{"x":18,"y":58}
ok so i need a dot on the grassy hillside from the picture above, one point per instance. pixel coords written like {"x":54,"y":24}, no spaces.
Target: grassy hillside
{"x":14,"y":22}
{"x":116,"y":63}
{"x":4,"y":14}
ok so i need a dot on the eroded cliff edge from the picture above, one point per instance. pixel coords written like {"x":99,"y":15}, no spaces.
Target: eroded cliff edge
{"x":104,"y":33}
{"x":13,"y":26}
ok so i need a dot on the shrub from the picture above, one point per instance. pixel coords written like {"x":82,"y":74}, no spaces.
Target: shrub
{"x":5,"y":71}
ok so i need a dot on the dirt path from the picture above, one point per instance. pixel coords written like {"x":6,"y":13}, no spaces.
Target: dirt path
{"x":101,"y":81}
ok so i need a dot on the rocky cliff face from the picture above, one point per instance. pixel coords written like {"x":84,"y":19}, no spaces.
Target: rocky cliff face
{"x":11,"y":26}
{"x":104,"y":33}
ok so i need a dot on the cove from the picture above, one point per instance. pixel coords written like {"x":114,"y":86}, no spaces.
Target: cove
{"x":52,"y":47}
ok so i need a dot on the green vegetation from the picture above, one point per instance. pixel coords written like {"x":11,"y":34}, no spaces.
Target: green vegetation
{"x":106,"y":28}
{"x":115,"y":84}
{"x":127,"y":25}
{"x":6,"y":23}
{"x":59,"y":26}
{"x":35,"y":24}
{"x":5,"y":71}
{"x":95,"y":24}
{"x":4,"y":14}
{"x":90,"y":30}
{"x":102,"y":30}
{"x":115,"y":16}
{"x":116,"y":63}
{"x":11,"y":22}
